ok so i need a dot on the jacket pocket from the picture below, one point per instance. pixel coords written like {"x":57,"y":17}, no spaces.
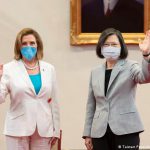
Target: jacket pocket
{"x":14,"y":115}
{"x":128,"y":111}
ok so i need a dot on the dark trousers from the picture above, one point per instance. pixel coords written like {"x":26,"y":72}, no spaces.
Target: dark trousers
{"x":110,"y":141}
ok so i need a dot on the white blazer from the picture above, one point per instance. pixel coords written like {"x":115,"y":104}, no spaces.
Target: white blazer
{"x":28,"y":110}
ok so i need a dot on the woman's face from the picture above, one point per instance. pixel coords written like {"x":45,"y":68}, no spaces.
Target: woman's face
{"x":28,"y":40}
{"x":112,"y":40}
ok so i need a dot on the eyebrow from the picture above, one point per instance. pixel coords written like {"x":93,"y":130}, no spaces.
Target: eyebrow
{"x":27,"y":42}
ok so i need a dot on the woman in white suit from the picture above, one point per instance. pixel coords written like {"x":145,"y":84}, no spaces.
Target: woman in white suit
{"x":112,"y":119}
{"x":32,"y":122}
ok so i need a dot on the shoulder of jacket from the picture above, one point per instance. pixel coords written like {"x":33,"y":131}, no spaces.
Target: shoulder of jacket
{"x":8,"y":67}
{"x":47,"y":65}
{"x":131,"y":62}
{"x":97,"y":68}
{"x":10,"y":64}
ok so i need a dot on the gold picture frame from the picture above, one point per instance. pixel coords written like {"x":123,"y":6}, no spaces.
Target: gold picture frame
{"x":79,"y":38}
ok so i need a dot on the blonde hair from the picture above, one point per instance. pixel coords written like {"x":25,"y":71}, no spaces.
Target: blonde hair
{"x":18,"y":43}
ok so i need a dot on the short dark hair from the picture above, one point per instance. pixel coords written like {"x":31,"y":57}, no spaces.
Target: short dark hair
{"x":104,"y":35}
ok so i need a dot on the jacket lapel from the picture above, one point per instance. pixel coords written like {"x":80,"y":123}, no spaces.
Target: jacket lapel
{"x":101,"y":77}
{"x":117,"y":68}
{"x":25,"y":76}
{"x":43,"y":71}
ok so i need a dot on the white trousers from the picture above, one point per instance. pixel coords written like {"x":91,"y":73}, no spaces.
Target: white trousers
{"x":33,"y":142}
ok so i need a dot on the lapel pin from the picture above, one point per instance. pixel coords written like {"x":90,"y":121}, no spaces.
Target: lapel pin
{"x":49,"y":100}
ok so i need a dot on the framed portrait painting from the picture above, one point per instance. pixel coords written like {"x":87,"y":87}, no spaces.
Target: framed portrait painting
{"x":90,"y":17}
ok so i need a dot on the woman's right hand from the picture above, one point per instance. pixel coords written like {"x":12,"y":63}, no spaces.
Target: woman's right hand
{"x":1,"y":70}
{"x":88,"y":143}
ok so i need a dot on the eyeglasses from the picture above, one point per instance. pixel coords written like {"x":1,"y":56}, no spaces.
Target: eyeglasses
{"x":111,"y":44}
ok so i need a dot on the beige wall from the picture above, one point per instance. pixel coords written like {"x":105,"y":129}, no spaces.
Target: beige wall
{"x":73,"y":64}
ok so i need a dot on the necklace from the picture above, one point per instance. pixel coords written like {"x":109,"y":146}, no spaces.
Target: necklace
{"x":31,"y":68}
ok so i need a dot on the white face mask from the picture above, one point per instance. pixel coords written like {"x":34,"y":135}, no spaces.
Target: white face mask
{"x":111,"y":52}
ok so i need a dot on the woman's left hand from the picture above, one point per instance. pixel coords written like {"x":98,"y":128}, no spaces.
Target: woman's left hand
{"x":145,"y":44}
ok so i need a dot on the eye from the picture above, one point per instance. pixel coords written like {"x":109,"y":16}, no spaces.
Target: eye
{"x":24,"y":43}
{"x":114,"y":45}
{"x":32,"y":43}
{"x":106,"y":44}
